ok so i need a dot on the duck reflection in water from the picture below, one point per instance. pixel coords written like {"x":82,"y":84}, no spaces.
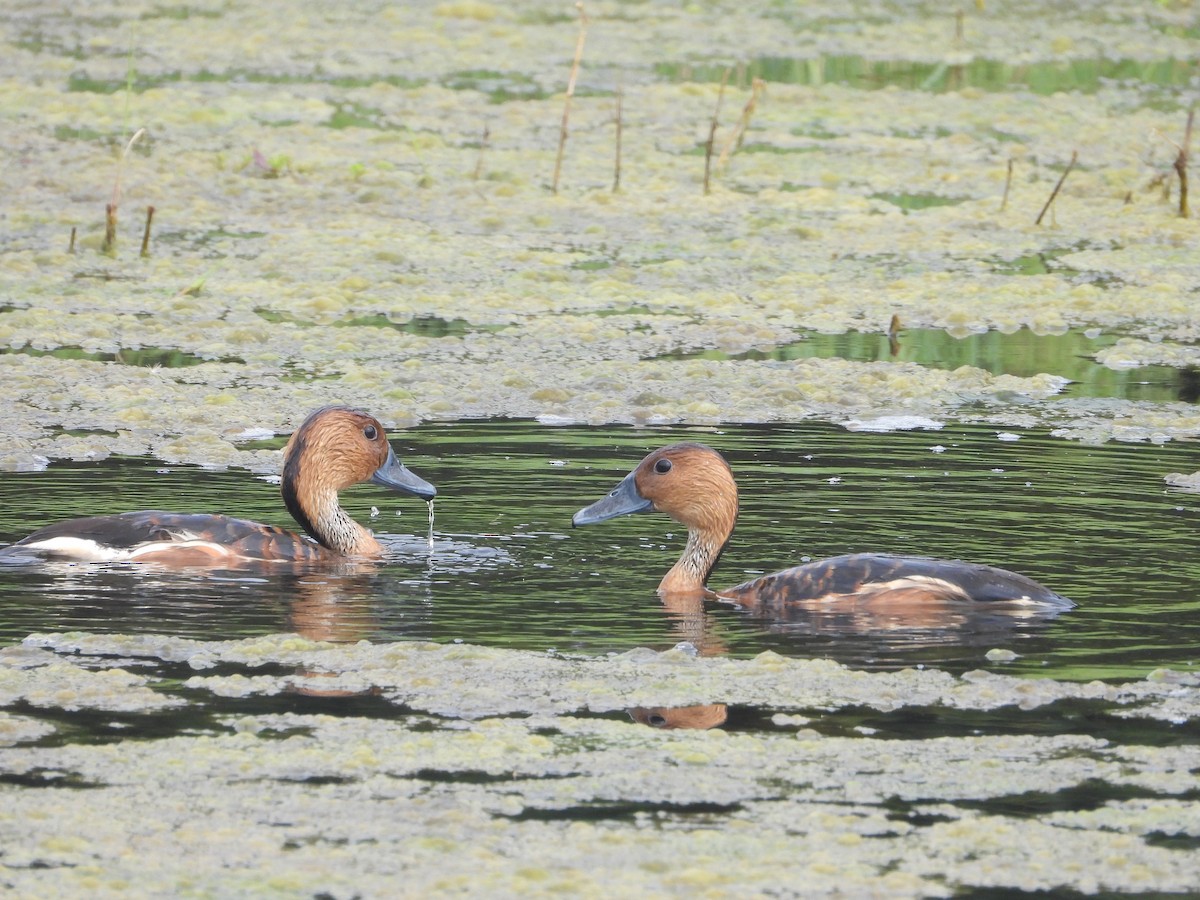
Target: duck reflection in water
{"x":862,"y":592}
{"x":339,"y":609}
{"x":700,"y":716}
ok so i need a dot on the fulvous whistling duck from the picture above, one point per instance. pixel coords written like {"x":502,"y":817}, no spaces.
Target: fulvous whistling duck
{"x":692,"y":483}
{"x":334,"y":448}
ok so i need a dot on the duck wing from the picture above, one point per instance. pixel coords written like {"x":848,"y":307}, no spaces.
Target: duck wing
{"x":182,"y":538}
{"x":876,"y":578}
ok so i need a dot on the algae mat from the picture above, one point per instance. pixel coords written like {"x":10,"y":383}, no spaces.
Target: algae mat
{"x":354,"y":204}
{"x":517,"y":774}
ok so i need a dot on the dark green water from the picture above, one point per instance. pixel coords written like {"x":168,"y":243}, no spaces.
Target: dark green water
{"x":1084,"y":75}
{"x":506,"y":569}
{"x":1070,"y":355}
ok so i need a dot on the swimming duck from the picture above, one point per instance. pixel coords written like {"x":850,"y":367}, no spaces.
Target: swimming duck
{"x":334,"y":448}
{"x":693,"y":484}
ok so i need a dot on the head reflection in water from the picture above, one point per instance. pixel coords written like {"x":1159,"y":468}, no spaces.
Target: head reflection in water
{"x":704,"y":715}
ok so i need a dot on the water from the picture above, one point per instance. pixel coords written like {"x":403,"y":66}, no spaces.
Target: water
{"x":1023,"y":353}
{"x":1095,"y":523}
{"x":1085,"y":75}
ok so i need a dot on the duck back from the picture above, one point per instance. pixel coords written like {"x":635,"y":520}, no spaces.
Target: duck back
{"x":870,"y":578}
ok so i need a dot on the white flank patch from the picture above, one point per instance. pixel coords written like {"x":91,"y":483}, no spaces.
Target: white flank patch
{"x":85,"y":550}
{"x":81,"y":549}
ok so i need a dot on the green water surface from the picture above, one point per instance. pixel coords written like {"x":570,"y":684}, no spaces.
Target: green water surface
{"x":1095,"y":523}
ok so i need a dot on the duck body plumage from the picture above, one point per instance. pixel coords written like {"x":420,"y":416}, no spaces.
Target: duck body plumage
{"x":334,"y":448}
{"x":873,"y":578}
{"x":694,"y":485}
{"x":154,"y":535}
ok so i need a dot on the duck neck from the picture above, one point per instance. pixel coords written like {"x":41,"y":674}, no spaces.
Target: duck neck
{"x":334,"y":528}
{"x":322,"y":517}
{"x":710,"y":513}
{"x":700,"y":554}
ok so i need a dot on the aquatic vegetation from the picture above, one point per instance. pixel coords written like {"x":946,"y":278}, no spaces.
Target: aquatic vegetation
{"x":490,"y":753}
{"x":873,"y":203}
{"x":331,"y":226}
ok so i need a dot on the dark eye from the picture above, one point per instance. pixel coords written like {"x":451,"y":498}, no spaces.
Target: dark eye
{"x":370,"y":433}
{"x":663,"y":466}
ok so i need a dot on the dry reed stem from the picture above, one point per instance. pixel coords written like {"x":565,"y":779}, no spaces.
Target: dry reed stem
{"x":483,"y":144}
{"x":712,"y":131}
{"x":1057,"y":187}
{"x":1181,"y":164}
{"x":734,"y":141}
{"x":562,"y":134}
{"x":1007,"y":186}
{"x":110,"y":211}
{"x":110,"y":229}
{"x":893,"y":334}
{"x":146,"y":234}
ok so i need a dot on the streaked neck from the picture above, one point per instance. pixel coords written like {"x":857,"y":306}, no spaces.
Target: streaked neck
{"x":699,"y":556}
{"x":332,"y":527}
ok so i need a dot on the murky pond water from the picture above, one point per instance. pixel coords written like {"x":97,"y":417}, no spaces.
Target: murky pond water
{"x":499,"y":712}
{"x":506,"y":570}
{"x":1087,"y":75}
{"x":1070,"y":355}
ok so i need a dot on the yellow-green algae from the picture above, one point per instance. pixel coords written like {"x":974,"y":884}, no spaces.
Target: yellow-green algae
{"x":284,"y":804}
{"x":452,"y":679}
{"x":408,"y":211}
{"x":279,"y":274}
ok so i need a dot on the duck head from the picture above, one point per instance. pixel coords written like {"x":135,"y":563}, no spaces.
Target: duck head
{"x":691,"y":483}
{"x":340,"y":447}
{"x":334,"y":448}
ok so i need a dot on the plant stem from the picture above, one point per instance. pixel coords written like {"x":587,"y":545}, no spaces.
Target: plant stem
{"x":893,"y":334}
{"x":110,"y":211}
{"x":1007,"y":186}
{"x":734,"y":141}
{"x":562,"y":134}
{"x":483,"y":142}
{"x":110,"y":230}
{"x":1181,"y":164}
{"x":1057,"y":187}
{"x":146,"y":233}
{"x":712,"y":132}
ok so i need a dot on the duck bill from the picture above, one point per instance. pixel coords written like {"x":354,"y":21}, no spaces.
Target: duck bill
{"x":392,"y":474}
{"x":624,"y":499}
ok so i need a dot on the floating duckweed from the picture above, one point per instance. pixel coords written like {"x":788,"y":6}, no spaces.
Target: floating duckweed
{"x":20,"y":729}
{"x":366,"y":783}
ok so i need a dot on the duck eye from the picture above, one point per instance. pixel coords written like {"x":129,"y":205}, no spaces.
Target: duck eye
{"x":370,"y":433}
{"x":663,"y":466}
